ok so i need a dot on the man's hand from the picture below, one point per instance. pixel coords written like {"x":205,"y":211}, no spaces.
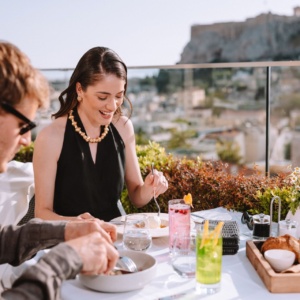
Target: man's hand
{"x":75,"y":229}
{"x":109,"y":228}
{"x":98,"y":256}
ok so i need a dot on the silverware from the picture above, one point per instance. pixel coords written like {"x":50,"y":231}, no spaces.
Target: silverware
{"x":117,"y":222}
{"x":154,"y":198}
{"x":125,"y":263}
{"x":122,"y":270}
{"x":194,"y":215}
{"x":120,"y":222}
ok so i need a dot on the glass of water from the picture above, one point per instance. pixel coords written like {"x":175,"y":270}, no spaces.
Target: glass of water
{"x":183,"y":255}
{"x":136,"y":235}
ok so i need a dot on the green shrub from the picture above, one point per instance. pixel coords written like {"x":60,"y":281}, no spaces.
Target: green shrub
{"x":210,"y":183}
{"x":147,"y":154}
{"x":289,"y":194}
{"x":25,"y":153}
{"x":265,"y":201}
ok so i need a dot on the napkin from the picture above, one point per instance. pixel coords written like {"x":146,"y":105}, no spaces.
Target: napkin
{"x":292,"y":269}
{"x":220,"y":214}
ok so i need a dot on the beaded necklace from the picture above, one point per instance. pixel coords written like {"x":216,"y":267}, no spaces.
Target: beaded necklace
{"x":84,"y":136}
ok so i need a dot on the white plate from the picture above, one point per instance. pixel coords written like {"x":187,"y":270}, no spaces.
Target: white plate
{"x":126,"y":282}
{"x":159,"y":232}
{"x":211,"y":215}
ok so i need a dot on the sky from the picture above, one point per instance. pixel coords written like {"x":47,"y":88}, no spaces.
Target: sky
{"x":56,"y":33}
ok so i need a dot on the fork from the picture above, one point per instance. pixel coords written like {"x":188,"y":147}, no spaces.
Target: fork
{"x":154,"y":198}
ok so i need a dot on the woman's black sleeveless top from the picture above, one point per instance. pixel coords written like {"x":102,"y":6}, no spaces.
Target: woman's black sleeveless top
{"x":84,"y":186}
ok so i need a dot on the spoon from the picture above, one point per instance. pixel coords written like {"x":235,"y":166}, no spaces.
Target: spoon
{"x":126,"y":264}
{"x":122,"y":270}
{"x":154,"y":198}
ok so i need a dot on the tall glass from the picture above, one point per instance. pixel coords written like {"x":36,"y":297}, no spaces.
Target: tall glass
{"x":183,"y":256}
{"x":209,"y":247}
{"x":179,"y":220}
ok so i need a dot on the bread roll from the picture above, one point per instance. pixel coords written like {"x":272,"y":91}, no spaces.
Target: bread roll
{"x":286,"y":242}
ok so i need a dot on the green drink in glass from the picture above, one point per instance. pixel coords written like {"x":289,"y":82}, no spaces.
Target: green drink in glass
{"x":209,"y":248}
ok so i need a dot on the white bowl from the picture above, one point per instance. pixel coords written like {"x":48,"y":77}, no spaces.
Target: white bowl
{"x":280,"y":259}
{"x":125,"y":282}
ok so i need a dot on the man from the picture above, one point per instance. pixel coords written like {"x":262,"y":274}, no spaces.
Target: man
{"x":83,"y":246}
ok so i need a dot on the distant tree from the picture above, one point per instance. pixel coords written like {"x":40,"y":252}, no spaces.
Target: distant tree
{"x":181,"y":120}
{"x":228,"y":151}
{"x":287,"y":151}
{"x":169,"y":81}
{"x":148,"y":80}
{"x":148,"y":83}
{"x":203,"y":76}
{"x":290,"y":102}
{"x":141,"y":137}
{"x":260,"y":93}
{"x":179,"y":139}
{"x":162,"y":81}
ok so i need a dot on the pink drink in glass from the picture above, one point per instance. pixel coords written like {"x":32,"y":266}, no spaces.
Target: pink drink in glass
{"x":179,"y":219}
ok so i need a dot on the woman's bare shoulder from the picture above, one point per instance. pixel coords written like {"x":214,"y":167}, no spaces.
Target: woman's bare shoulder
{"x":124,"y":126}
{"x":54,"y":131}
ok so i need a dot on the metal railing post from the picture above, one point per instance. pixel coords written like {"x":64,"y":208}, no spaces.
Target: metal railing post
{"x":268,"y":90}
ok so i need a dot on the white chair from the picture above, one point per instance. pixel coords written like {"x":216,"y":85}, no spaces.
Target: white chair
{"x":121,"y":208}
{"x":16,"y":190}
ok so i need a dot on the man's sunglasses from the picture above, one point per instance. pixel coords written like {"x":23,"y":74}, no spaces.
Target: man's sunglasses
{"x":10,"y":109}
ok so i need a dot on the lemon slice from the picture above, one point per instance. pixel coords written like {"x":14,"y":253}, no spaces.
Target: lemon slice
{"x":188,"y":199}
{"x":204,"y":234}
{"x":217,"y":232}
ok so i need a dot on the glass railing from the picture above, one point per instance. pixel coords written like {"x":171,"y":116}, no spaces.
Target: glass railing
{"x":245,"y":114}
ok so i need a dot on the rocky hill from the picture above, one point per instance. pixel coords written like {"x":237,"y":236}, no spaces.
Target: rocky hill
{"x":263,"y":38}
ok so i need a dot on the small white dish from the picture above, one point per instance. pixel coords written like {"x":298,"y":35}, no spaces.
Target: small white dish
{"x":158,"y":232}
{"x":125,"y":282}
{"x":280,"y":259}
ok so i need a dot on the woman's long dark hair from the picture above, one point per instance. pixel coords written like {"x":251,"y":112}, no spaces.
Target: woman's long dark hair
{"x":93,"y":65}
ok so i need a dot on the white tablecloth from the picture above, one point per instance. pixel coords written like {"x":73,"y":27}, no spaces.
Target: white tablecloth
{"x":239,"y":278}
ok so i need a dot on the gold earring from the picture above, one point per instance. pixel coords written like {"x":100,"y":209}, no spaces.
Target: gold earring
{"x":79,"y":99}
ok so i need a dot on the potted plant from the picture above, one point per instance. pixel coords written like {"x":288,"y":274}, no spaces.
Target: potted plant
{"x":289,"y":195}
{"x":293,"y":180}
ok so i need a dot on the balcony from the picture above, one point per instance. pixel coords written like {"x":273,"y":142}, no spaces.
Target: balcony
{"x":246,"y":114}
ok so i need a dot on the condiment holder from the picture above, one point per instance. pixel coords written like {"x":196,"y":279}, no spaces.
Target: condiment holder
{"x":279,"y":213}
{"x":262,"y":224}
{"x":288,"y":227}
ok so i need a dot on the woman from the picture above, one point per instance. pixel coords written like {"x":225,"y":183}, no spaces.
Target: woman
{"x":83,"y":157}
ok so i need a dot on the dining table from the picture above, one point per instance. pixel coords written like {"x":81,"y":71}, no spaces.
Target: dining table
{"x":239,"y":279}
